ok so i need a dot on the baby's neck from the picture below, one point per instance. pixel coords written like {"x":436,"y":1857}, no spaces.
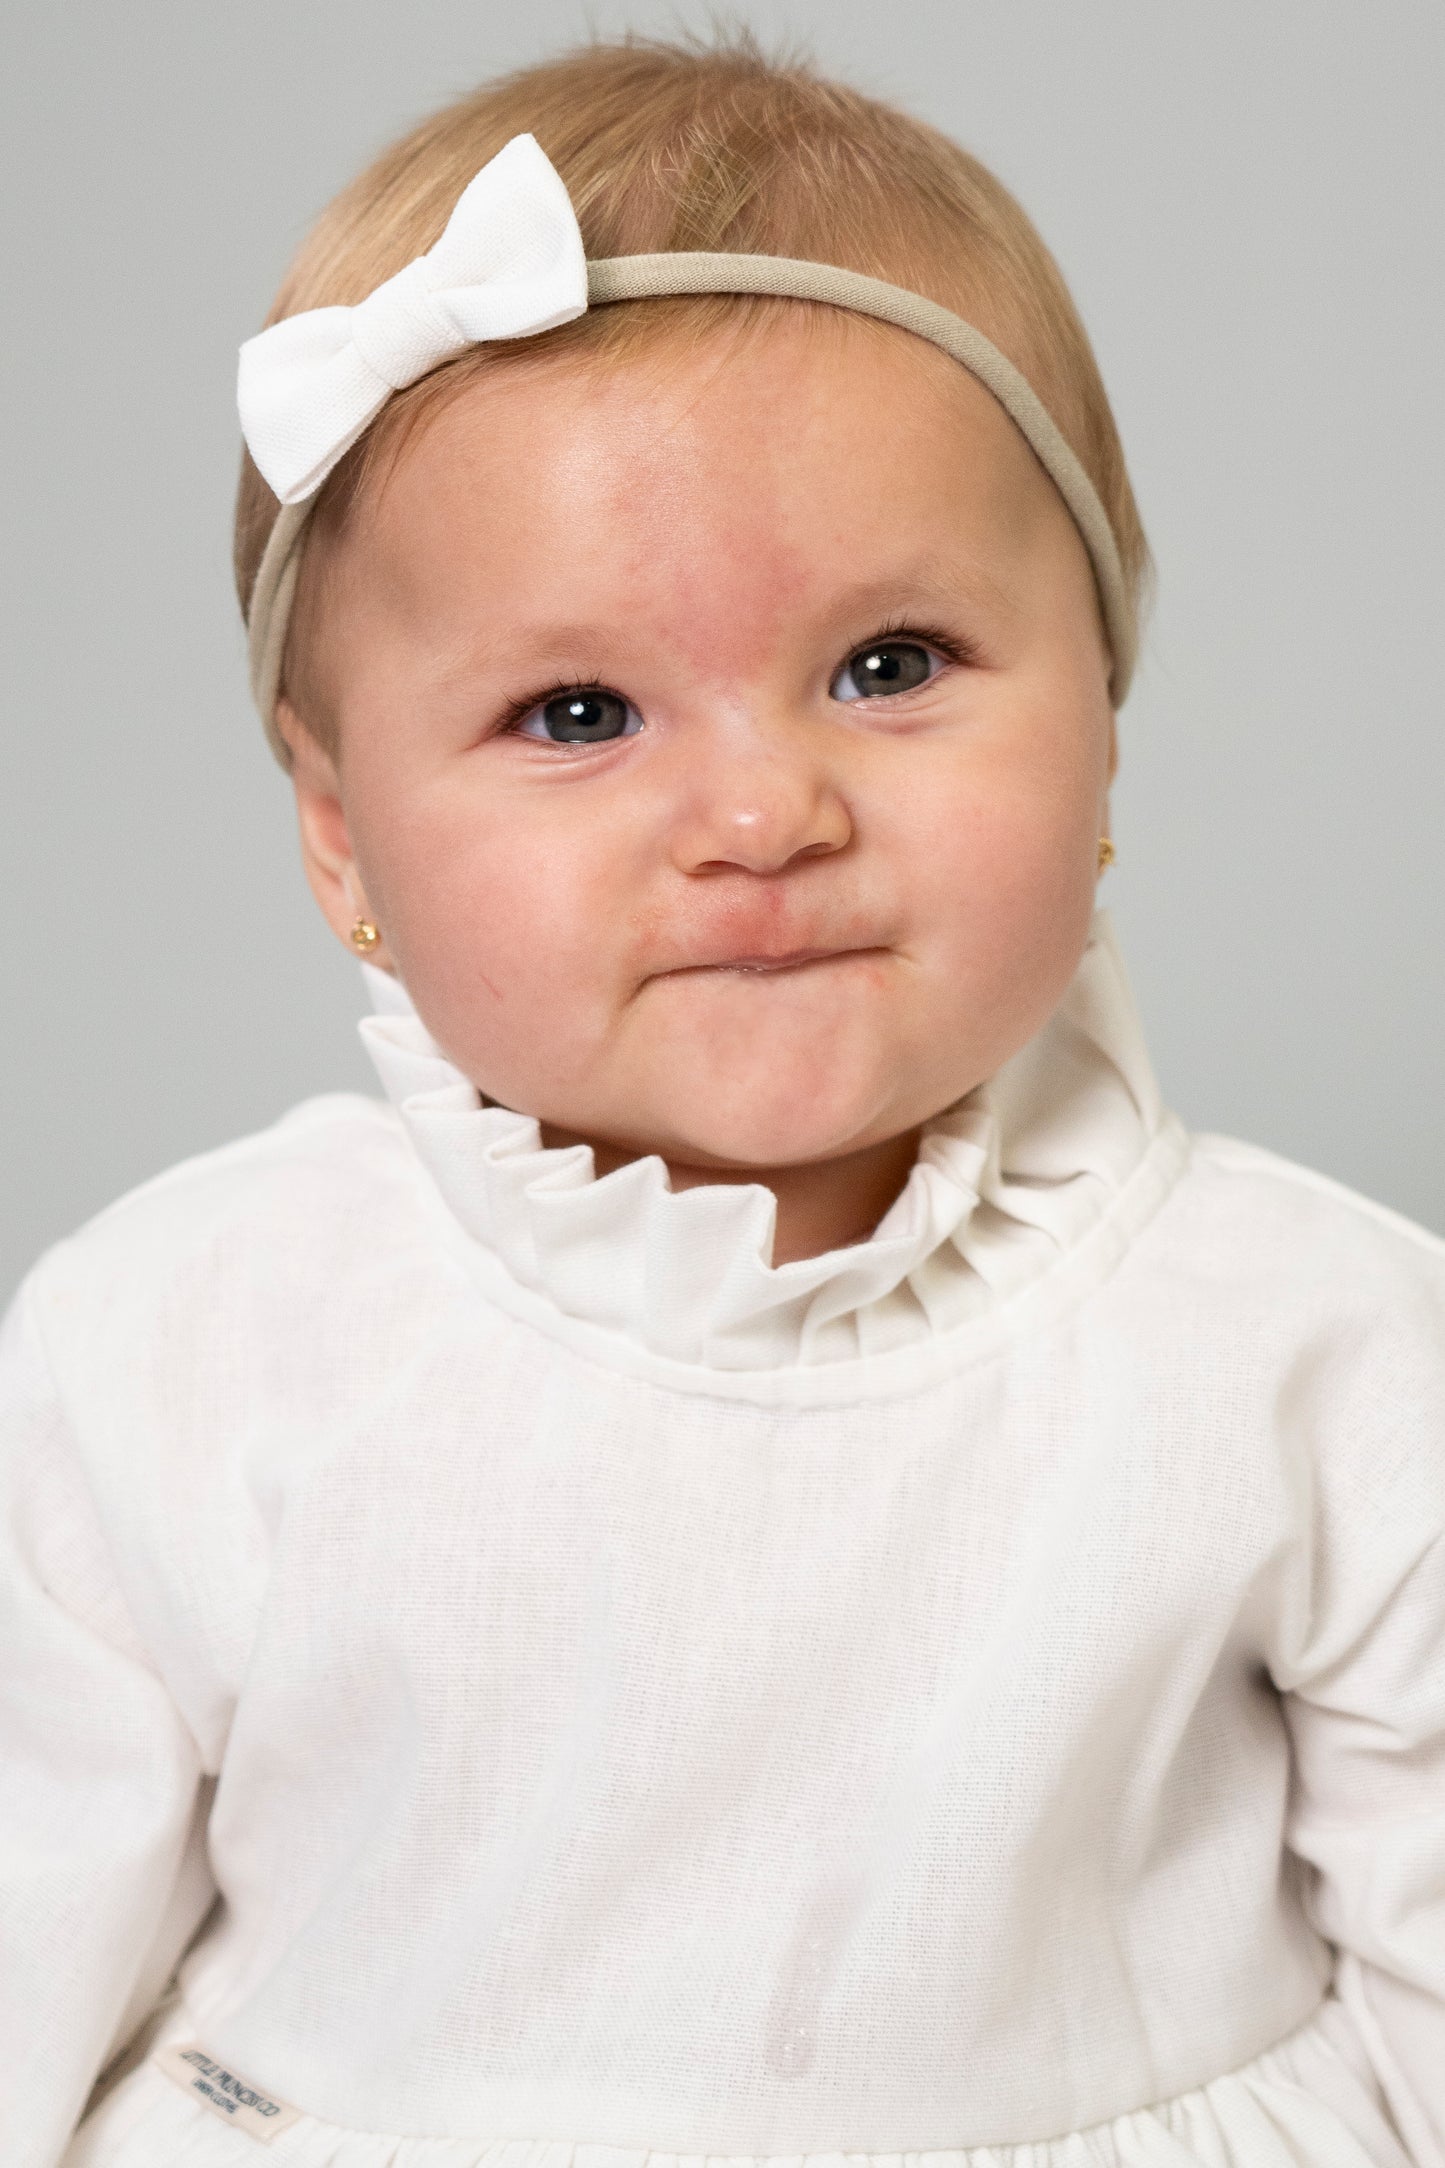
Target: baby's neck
{"x":822,"y":1205}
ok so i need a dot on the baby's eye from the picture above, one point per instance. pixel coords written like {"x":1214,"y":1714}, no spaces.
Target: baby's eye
{"x":885,"y":666}
{"x":585,"y":716}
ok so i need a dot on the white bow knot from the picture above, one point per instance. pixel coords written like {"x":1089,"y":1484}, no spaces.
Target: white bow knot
{"x":510,"y":262}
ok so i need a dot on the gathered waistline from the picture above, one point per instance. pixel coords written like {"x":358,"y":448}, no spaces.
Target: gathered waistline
{"x":174,"y":2122}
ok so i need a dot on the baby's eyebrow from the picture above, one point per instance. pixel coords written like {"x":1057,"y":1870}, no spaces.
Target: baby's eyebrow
{"x":537,"y":644}
{"x":935,"y":588}
{"x":586,"y":648}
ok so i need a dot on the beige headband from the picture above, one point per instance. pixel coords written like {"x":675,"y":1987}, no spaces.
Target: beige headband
{"x":640,"y":278}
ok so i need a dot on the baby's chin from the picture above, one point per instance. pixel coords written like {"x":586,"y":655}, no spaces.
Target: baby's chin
{"x":726,"y":1153}
{"x":710,"y":1125}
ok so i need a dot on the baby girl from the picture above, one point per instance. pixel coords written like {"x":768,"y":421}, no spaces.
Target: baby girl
{"x":768,"y":1558}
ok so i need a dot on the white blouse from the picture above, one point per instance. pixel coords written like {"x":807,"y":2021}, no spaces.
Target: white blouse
{"x":571,"y":1694}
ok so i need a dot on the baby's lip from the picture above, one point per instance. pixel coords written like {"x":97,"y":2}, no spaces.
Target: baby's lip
{"x":782,"y":960}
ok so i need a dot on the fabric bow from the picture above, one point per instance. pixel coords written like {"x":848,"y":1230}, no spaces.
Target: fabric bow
{"x":510,"y":262}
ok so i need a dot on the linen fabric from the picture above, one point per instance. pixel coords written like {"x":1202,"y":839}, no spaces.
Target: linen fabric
{"x":558,"y":1691}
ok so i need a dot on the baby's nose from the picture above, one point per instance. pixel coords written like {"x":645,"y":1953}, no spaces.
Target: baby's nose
{"x":755,"y":792}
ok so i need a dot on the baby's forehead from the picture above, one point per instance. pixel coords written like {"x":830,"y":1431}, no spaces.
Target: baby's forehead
{"x":811,"y":415}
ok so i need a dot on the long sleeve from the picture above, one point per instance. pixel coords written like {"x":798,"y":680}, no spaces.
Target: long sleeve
{"x":1363,"y":1679}
{"x":99,"y":1778}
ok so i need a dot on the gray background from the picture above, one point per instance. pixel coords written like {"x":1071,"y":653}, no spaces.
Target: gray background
{"x":1247,"y":199}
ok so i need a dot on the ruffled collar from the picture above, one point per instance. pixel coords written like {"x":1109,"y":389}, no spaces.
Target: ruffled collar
{"x":1006,"y":1180}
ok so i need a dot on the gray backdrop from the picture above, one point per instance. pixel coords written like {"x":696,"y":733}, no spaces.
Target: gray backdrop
{"x":1247,"y":198}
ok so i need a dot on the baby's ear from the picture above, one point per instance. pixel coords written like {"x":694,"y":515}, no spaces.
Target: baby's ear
{"x":310,"y":760}
{"x":326,"y":852}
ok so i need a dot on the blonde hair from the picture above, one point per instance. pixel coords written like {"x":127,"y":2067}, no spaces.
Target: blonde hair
{"x":698,"y":146}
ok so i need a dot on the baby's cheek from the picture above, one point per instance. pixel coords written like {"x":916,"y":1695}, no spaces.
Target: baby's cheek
{"x":1001,"y":904}
{"x":506,"y":964}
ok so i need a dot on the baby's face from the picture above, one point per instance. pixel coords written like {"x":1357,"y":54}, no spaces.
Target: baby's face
{"x":649,"y":678}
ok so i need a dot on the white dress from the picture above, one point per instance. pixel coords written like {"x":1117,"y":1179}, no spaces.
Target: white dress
{"x":575,"y":1696}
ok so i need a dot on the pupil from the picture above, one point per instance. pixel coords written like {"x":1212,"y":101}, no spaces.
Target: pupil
{"x":891,"y":667}
{"x":582,"y":717}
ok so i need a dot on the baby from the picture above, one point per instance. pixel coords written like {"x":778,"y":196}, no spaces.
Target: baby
{"x":769,"y":1558}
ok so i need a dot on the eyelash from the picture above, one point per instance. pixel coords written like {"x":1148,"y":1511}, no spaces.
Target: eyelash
{"x":954,"y":649}
{"x":951,"y":645}
{"x":517,"y":711}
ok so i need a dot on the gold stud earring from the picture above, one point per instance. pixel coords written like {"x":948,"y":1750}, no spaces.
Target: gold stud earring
{"x":364,"y":936}
{"x":1106,"y":852}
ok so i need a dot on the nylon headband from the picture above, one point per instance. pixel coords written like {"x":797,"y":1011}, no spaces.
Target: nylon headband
{"x":642,"y":278}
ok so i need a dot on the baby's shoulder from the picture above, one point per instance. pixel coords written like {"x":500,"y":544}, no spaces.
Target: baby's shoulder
{"x":290,"y":1208}
{"x":1286,"y":1199}
{"x":1283,"y":1235}
{"x":1320,"y":1314}
{"x":326,"y":1151}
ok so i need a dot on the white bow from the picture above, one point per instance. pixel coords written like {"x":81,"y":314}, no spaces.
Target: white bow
{"x":509,"y":263}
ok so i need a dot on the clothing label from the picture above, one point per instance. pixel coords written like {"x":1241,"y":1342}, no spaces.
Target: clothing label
{"x":224,"y":2093}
